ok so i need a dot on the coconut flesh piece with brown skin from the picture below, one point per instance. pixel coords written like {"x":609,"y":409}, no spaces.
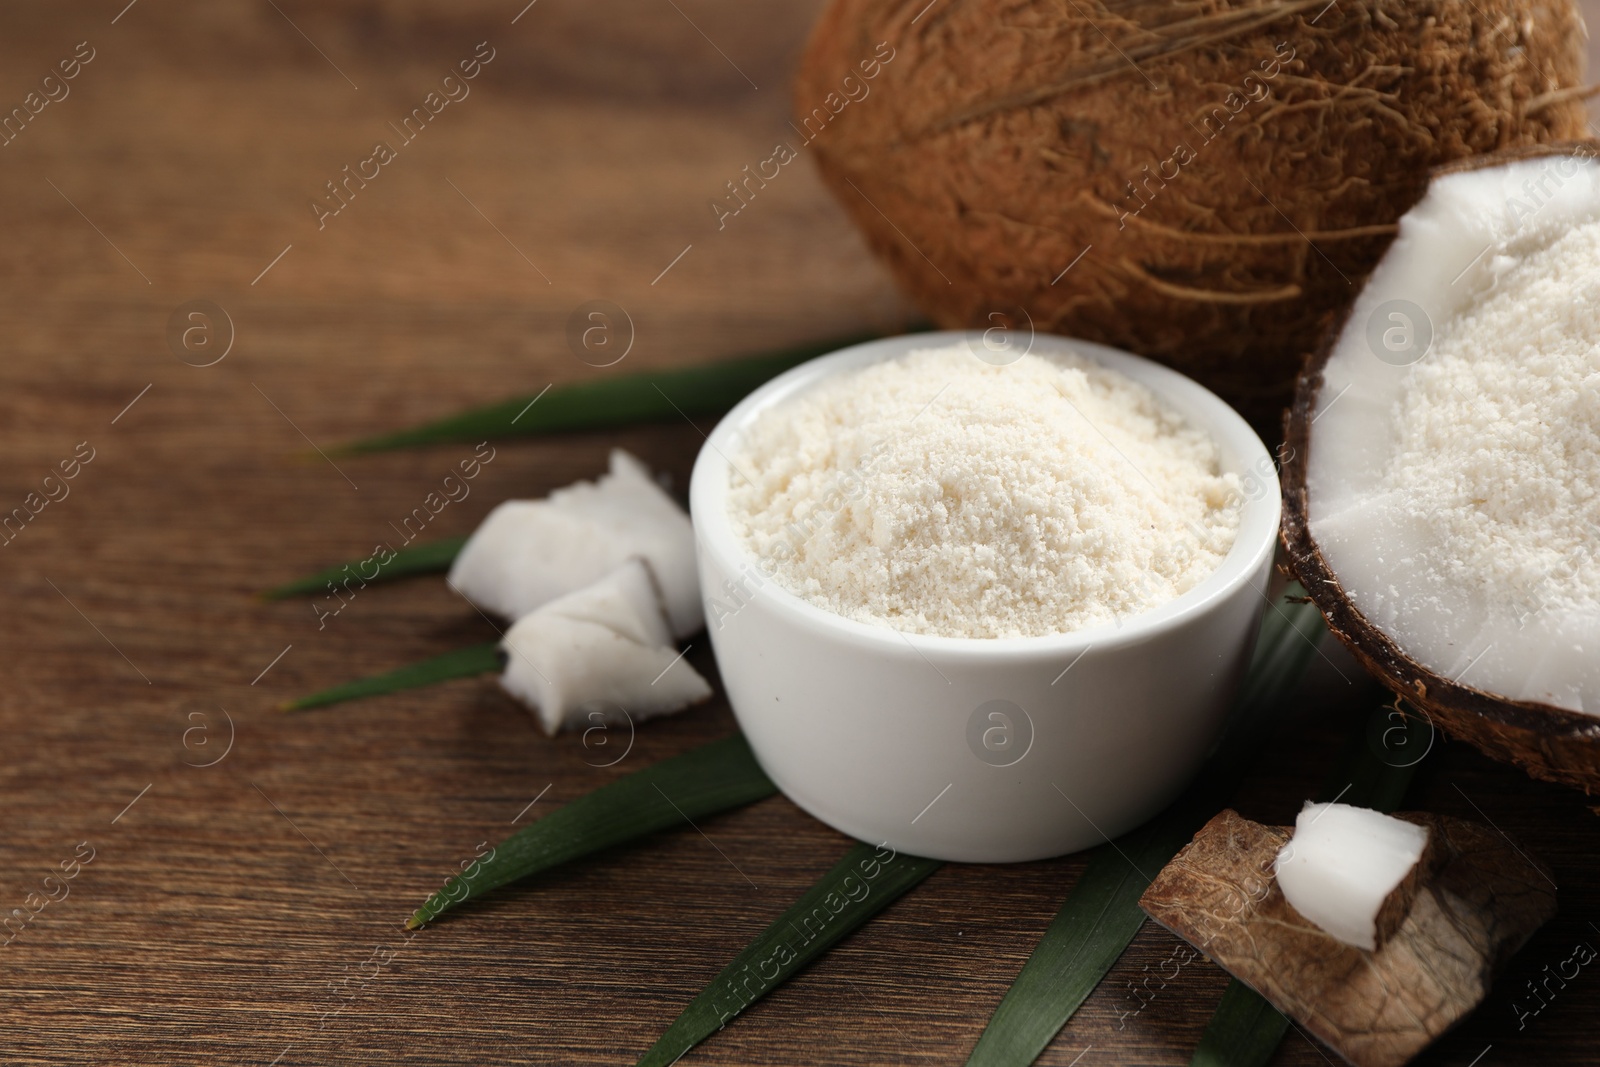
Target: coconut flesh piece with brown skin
{"x":526,"y":553}
{"x":1351,"y":870}
{"x":600,"y":656}
{"x":1480,"y":899}
{"x":1224,"y":170}
{"x":1443,"y":499}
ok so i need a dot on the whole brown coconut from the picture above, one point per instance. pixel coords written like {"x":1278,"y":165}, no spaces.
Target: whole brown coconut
{"x":1200,"y":182}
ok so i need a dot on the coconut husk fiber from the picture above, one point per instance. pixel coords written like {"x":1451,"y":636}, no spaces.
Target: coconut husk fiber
{"x":1479,"y":904}
{"x":1199,"y":182}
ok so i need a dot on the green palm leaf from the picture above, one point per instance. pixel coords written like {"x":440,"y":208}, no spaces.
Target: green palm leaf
{"x":432,"y":557}
{"x":701,"y":782}
{"x":654,"y":396}
{"x":859,"y":886}
{"x":1101,"y":914}
{"x":1244,"y":1032}
{"x":462,"y":663}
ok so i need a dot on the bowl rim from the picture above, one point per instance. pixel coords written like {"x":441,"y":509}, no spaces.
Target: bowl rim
{"x":1235,"y":440}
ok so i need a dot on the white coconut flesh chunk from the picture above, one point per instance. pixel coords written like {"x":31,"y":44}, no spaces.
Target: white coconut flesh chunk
{"x":526,"y":553}
{"x":1457,"y":495}
{"x":603,"y":649}
{"x":1341,"y":865}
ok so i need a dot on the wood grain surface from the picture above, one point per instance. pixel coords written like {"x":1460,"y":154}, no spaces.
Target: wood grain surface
{"x":232,"y":911}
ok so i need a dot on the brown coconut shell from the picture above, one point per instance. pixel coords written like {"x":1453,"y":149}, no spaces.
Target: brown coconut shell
{"x":1001,"y":140}
{"x":1547,"y":742}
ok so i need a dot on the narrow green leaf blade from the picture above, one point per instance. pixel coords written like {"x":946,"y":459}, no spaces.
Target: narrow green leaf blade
{"x":808,"y":929}
{"x":432,"y":557}
{"x":655,"y":396}
{"x":701,"y":782}
{"x":462,"y":663}
{"x":1101,"y":914}
{"x":1246,"y":1030}
{"x":1088,"y":935}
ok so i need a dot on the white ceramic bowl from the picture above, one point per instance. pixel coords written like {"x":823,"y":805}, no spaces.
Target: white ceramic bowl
{"x":983,"y":750}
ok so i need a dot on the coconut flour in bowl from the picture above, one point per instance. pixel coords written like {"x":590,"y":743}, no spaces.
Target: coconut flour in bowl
{"x":937,"y":493}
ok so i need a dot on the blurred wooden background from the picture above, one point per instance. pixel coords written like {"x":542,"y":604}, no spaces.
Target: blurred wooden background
{"x":229,"y":908}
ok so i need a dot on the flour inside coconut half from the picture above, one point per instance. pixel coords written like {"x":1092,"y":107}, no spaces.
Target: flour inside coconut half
{"x":1453,"y":470}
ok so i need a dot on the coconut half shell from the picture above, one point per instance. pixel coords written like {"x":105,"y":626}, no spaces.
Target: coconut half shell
{"x":1548,"y":742}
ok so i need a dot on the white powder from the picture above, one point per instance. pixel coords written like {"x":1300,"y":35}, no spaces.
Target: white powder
{"x":939,"y":494}
{"x":1499,"y":438}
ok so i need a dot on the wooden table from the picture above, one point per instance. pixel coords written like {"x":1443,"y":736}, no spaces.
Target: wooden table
{"x":224,"y":903}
